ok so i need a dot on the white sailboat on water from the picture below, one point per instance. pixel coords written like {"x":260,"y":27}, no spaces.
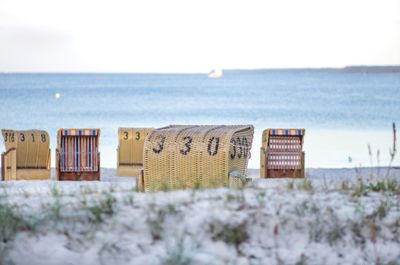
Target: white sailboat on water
{"x":215,"y":73}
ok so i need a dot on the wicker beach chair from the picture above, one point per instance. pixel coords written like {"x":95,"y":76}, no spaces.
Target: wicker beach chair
{"x":178,"y":157}
{"x":130,"y":150}
{"x":281,"y":154}
{"x":27,"y":155}
{"x":77,"y":154}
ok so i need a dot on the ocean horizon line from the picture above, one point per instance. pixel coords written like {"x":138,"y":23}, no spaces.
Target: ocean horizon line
{"x":350,"y":68}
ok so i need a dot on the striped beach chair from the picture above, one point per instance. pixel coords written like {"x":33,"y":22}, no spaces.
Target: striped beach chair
{"x":27,"y":155}
{"x":77,"y":154}
{"x":281,"y":154}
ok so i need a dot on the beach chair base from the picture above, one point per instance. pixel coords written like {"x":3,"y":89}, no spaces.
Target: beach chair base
{"x":77,"y":176}
{"x":129,"y":171}
{"x":9,"y":165}
{"x":33,"y":174}
{"x":10,"y":171}
{"x":234,"y":182}
{"x":140,"y":181}
{"x":285,"y":174}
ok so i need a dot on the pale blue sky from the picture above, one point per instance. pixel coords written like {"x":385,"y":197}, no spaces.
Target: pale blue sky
{"x":195,"y":36}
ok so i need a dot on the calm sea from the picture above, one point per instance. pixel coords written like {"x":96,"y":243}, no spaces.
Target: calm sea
{"x":342,"y":111}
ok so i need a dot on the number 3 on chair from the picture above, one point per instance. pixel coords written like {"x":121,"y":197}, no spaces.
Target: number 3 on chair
{"x":126,"y":134}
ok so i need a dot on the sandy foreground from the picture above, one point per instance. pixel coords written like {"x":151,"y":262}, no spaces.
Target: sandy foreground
{"x":334,"y":216}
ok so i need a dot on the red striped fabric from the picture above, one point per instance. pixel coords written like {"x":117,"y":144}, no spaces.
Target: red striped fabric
{"x":284,"y":152}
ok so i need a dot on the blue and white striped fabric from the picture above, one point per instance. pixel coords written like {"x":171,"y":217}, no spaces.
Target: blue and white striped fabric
{"x":79,"y":153}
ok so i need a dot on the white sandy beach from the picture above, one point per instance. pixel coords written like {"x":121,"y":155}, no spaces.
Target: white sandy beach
{"x":325,"y":219}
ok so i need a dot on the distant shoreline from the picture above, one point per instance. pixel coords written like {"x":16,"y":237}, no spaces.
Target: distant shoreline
{"x":365,"y":69}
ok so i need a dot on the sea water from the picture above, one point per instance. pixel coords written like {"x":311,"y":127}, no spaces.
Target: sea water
{"x":342,"y":111}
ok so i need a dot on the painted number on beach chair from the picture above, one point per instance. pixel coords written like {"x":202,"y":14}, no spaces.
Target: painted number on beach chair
{"x":22,"y":137}
{"x":186,"y":149}
{"x":160,"y":144}
{"x":210,"y":143}
{"x":246,"y":147}
{"x":212,"y":148}
{"x":43,"y":137}
{"x":243,"y":145}
{"x":126,"y":135}
{"x":9,"y":137}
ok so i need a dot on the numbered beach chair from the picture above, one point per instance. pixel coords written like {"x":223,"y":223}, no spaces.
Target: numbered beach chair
{"x":177,"y":157}
{"x":27,"y":155}
{"x":77,"y":154}
{"x":282,"y":153}
{"x":130,"y":150}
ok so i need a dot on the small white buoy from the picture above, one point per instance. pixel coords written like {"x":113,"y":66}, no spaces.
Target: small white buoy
{"x":58,"y":95}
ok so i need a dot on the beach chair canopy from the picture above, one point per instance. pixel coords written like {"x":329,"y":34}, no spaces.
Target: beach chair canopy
{"x":195,"y":156}
{"x":27,"y":154}
{"x":130,"y":150}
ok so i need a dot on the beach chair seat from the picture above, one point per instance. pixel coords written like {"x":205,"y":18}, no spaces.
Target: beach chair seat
{"x":282,"y":153}
{"x":177,"y":157}
{"x":77,"y":154}
{"x":27,"y":155}
{"x":130,"y":150}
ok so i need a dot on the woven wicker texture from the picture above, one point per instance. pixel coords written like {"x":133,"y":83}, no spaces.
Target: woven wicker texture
{"x":26,"y":152}
{"x":130,"y":150}
{"x":195,"y":156}
{"x":281,"y":153}
{"x":77,"y":154}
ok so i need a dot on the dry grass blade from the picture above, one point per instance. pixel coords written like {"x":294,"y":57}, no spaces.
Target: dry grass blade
{"x":393,"y":150}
